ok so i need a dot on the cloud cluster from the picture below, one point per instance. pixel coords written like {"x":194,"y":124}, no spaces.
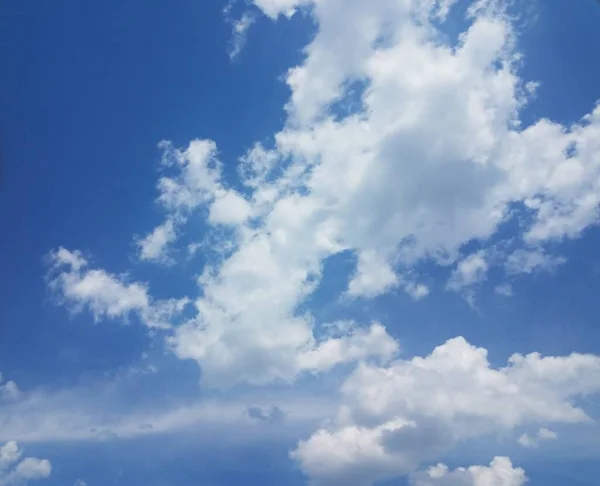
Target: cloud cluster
{"x":499,"y":473}
{"x":402,"y":147}
{"x":17,"y":471}
{"x":397,"y":417}
{"x":399,"y":146}
{"x":432,"y":157}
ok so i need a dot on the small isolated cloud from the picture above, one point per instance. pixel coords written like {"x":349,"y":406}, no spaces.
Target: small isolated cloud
{"x":505,"y":290}
{"x":239,"y":33}
{"x":18,"y":471}
{"x":154,"y":246}
{"x":543,"y":434}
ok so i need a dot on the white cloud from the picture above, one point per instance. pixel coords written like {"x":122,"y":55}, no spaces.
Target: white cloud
{"x":396,"y":417}
{"x":547,"y":434}
{"x":433,"y":157}
{"x":470,"y":271}
{"x":8,"y":390}
{"x":279,"y":354}
{"x":527,"y":261}
{"x":527,"y":441}
{"x":103,"y":294}
{"x":416,"y":290}
{"x":239,"y":33}
{"x":361,"y":344}
{"x":229,"y":208}
{"x":543,"y":434}
{"x":500,"y":472}
{"x":17,"y":471}
{"x":373,"y":276}
{"x":195,"y":182}
{"x":274,"y":8}
{"x":154,"y":246}
{"x":505,"y":290}
{"x":95,"y":410}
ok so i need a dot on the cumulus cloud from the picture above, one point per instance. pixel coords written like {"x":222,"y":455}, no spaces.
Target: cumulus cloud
{"x":434,"y":156}
{"x":397,"y":417}
{"x":154,"y":246}
{"x":17,"y":471}
{"x":105,"y":295}
{"x":500,"y":472}
{"x":279,"y":353}
{"x":373,"y":276}
{"x":194,"y":181}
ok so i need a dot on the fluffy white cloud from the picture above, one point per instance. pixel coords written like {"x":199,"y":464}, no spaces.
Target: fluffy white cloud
{"x":154,"y":246}
{"x":17,"y":471}
{"x":433,"y":157}
{"x":229,"y":208}
{"x":430,"y":156}
{"x":279,"y":354}
{"x":396,"y":417}
{"x":103,"y":294}
{"x":500,"y":472}
{"x":432,"y":160}
{"x":195,"y":181}
{"x":436,"y":153}
{"x":373,"y":276}
{"x":274,"y":8}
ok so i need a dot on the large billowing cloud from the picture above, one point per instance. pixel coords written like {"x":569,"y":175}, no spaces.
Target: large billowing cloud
{"x":401,"y":146}
{"x":15,"y":470}
{"x":397,"y":417}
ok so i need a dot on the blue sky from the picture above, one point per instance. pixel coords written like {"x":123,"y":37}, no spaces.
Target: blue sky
{"x":299,"y":241}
